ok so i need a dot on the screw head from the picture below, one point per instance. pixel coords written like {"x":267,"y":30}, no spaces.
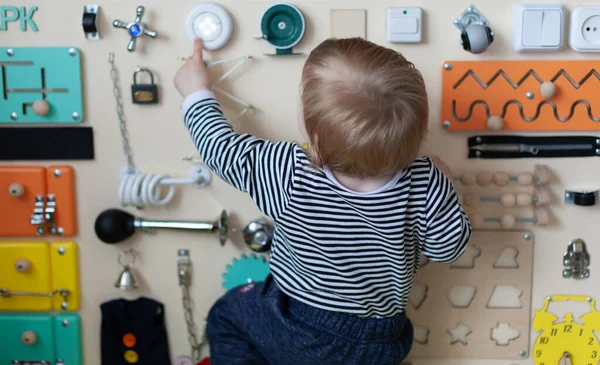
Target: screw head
{"x":522,"y":353}
{"x":446,"y":124}
{"x":598,"y":151}
{"x":72,"y":51}
{"x":65,"y":323}
{"x":14,"y":115}
{"x":57,"y":173}
{"x":448,"y":66}
{"x":478,"y":153}
{"x":549,"y":299}
{"x":527,"y":236}
{"x":61,"y":230}
{"x":598,"y":141}
{"x":61,"y":250}
{"x":64,"y":305}
{"x":530,"y":95}
{"x":75,"y":115}
{"x":567,"y":195}
{"x":566,"y":273}
{"x":589,"y":299}
{"x":10,"y":52}
{"x":478,"y":139}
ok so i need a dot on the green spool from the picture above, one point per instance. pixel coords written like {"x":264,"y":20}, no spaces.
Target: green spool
{"x":283,"y":27}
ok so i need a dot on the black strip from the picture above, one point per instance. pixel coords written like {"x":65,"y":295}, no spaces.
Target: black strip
{"x":531,"y":141}
{"x":46,"y":143}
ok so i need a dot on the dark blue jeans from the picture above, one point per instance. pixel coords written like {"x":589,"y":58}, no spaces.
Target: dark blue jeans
{"x":257,"y":324}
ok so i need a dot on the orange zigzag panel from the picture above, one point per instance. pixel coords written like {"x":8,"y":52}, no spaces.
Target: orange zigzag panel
{"x":472,"y":91}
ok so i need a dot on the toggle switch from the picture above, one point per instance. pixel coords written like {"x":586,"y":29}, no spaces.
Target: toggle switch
{"x":404,"y":25}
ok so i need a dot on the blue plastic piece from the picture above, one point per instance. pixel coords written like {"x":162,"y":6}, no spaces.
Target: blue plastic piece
{"x":135,"y":30}
{"x":25,"y":71}
{"x":248,"y":269}
{"x":26,"y":18}
{"x":55,"y":338}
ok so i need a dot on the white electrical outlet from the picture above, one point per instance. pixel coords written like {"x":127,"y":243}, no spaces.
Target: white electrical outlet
{"x":584,"y":34}
{"x":404,"y":25}
{"x":538,"y":27}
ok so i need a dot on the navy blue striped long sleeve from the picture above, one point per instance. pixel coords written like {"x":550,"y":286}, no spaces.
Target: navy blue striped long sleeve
{"x":334,"y":248}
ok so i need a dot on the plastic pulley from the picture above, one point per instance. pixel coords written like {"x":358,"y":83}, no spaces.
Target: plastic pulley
{"x":283,"y":26}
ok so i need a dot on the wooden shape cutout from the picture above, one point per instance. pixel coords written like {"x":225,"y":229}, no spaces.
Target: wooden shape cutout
{"x":503,"y":333}
{"x":348,"y":23}
{"x":461,"y":296}
{"x":459,"y":334}
{"x":467,"y":259}
{"x":418,"y":294}
{"x":507,"y":259}
{"x":421,"y":334}
{"x":505,"y":297}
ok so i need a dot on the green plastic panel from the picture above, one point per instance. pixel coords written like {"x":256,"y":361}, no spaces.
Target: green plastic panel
{"x":52,"y":74}
{"x":57,"y":337}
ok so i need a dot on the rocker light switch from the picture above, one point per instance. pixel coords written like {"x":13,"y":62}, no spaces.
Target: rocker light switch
{"x":538,"y":27}
{"x":404,"y":25}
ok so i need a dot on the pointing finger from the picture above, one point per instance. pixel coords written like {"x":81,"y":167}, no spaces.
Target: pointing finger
{"x":197,"y":56}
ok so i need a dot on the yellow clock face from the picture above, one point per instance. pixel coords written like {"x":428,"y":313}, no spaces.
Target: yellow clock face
{"x":581,"y":343}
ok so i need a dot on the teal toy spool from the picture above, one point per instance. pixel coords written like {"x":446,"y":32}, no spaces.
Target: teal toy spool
{"x":283,"y":26}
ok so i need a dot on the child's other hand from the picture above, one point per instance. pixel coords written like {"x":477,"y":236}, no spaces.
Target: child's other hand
{"x":193,"y":75}
{"x":443,"y":167}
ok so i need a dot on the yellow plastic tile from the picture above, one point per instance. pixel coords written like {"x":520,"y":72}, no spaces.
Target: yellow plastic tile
{"x":65,"y":273}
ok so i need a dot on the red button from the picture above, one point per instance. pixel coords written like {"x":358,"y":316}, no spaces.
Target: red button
{"x":129,"y":340}
{"x":205,"y":361}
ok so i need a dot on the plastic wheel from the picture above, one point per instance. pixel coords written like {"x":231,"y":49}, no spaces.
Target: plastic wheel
{"x":282,"y":26}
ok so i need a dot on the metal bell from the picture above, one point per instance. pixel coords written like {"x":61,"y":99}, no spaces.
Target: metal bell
{"x":126,"y":280}
{"x":258,"y":235}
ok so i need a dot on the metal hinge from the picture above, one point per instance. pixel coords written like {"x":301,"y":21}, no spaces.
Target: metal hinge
{"x":577,"y":259}
{"x":184,"y":266}
{"x":44,"y":216}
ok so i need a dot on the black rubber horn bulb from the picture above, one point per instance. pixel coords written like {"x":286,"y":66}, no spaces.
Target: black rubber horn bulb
{"x":114,"y":226}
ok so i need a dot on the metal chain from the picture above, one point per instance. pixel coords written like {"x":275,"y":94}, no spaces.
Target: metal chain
{"x":195,"y":346}
{"x":120,"y":114}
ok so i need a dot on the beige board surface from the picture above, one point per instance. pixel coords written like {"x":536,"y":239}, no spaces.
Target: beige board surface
{"x":481,"y":315}
{"x":348,"y":23}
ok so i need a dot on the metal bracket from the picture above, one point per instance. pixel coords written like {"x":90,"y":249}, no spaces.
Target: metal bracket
{"x":5,"y":293}
{"x":184,"y":267}
{"x":577,"y":259}
{"x":44,"y":215}
{"x":581,"y":198}
{"x":89,"y":22}
{"x":37,"y":219}
{"x":471,"y":15}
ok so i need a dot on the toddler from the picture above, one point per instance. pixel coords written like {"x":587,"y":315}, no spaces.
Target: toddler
{"x":353,"y":212}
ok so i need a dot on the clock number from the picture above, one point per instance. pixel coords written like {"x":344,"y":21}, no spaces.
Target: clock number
{"x":594,"y":354}
{"x":568,"y":328}
{"x":544,"y":340}
{"x":538,"y":353}
{"x":591,"y":341}
{"x":554,"y":332}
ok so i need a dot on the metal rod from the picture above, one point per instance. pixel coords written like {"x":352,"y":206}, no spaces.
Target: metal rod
{"x":195,"y":226}
{"x":5,"y":293}
{"x":37,"y":90}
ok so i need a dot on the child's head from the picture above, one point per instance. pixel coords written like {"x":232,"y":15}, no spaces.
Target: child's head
{"x":364,"y":108}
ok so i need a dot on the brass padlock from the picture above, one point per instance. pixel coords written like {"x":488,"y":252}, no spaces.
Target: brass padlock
{"x":144,"y":93}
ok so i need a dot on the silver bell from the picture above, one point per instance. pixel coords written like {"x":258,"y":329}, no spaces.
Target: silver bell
{"x":258,"y":235}
{"x":126,"y":279}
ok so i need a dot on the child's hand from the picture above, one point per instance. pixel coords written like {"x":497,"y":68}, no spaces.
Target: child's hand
{"x":193,"y":75}
{"x":443,"y":167}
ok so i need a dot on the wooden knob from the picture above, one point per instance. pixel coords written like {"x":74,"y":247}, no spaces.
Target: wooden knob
{"x":542,"y":216}
{"x":476,"y":221}
{"x":29,"y":338}
{"x":468,"y":178}
{"x":543,"y":196}
{"x":547,"y":89}
{"x":22,"y":265}
{"x":507,"y":221}
{"x":543,"y":174}
{"x":16,"y":190}
{"x":508,"y":200}
{"x":41,"y":108}
{"x":484,"y":179}
{"x":471,"y":200}
{"x":495,"y":123}
{"x":525,"y":178}
{"x":524,"y":199}
{"x":501,"y":178}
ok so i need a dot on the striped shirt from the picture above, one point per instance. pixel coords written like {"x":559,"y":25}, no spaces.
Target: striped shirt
{"x":334,"y":248}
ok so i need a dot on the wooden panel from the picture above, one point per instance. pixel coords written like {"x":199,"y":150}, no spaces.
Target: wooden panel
{"x":438,"y":315}
{"x":16,"y":211}
{"x":348,"y":23}
{"x":472,"y":91}
{"x":65,"y":273}
{"x":61,"y":183}
{"x":14,"y":325}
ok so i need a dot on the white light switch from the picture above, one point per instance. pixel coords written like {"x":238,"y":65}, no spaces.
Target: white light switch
{"x":404,"y":25}
{"x":538,"y":27}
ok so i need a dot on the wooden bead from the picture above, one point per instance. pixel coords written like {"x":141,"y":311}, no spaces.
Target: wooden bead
{"x":16,"y":190}
{"x":495,"y":123}
{"x":507,"y":221}
{"x":543,"y":174}
{"x":525,"y":178}
{"x":542,"y":216}
{"x":41,"y":108}
{"x":484,"y":179}
{"x":471,"y":200}
{"x":29,"y":338}
{"x":476,"y":221}
{"x":524,"y":199}
{"x":468,"y":178}
{"x":501,"y":178}
{"x":508,"y":200}
{"x":547,"y":89}
{"x":22,"y":265}
{"x":543,"y":196}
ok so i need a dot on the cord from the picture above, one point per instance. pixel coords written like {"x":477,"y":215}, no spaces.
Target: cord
{"x":142,"y":190}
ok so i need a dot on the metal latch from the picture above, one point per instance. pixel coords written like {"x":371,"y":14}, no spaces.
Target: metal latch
{"x":44,"y":215}
{"x":576,"y":259}
{"x":34,"y":362}
{"x":184,"y":267}
{"x":5,"y":293}
{"x":581,"y":198}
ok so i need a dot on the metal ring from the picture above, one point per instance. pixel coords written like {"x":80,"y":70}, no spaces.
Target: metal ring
{"x":131,"y":253}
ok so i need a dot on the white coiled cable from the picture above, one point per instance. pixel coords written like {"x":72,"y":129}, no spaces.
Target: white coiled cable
{"x":140,"y":190}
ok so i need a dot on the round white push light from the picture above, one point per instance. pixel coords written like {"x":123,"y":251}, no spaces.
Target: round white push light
{"x":212,"y":23}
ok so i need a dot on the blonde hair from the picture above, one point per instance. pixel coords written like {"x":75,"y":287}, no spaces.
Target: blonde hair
{"x":364,"y":107}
